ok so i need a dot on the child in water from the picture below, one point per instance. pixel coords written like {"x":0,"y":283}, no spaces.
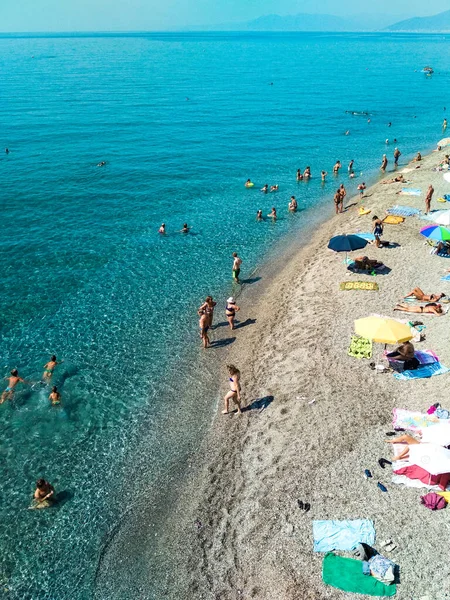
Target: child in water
{"x":55,"y":396}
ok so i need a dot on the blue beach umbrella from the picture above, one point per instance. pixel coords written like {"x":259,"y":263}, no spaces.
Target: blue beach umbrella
{"x":347,"y":243}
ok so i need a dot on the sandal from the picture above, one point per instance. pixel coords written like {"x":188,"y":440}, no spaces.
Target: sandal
{"x":383,"y":462}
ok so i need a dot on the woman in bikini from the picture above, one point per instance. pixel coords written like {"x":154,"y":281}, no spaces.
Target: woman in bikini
{"x":230,"y":311}
{"x":273,"y":214}
{"x":433,"y":308}
{"x":420,"y":295}
{"x":235,"y":390}
{"x":208,"y":307}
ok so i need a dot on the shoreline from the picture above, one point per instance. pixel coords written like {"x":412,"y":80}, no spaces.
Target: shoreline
{"x":252,"y":535}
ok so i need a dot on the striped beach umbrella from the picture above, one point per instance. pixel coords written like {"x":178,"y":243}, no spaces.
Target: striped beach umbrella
{"x":438,"y":233}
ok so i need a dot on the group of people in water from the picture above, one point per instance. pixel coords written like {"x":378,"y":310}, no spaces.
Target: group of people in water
{"x":44,"y":493}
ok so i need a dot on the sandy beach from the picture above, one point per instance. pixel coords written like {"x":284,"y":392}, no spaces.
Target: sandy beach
{"x":316,"y":420}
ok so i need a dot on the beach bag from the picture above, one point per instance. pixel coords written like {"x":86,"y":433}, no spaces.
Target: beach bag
{"x":382,"y":569}
{"x":433,"y":501}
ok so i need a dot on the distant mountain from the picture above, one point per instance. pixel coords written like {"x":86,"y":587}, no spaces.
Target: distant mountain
{"x":304,"y":22}
{"x":436,"y":23}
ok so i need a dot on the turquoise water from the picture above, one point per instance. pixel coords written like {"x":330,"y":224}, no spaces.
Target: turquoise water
{"x":181,"y":121}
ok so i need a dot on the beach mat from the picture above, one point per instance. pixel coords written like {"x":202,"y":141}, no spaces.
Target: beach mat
{"x":360,"y":347}
{"x":410,"y":192}
{"x":342,"y":535}
{"x":367,"y":236}
{"x":359,"y":285}
{"x":413,"y":420}
{"x":393,"y":220}
{"x":403,"y":211}
{"x":346,"y":574}
{"x":423,"y":372}
{"x":446,"y":278}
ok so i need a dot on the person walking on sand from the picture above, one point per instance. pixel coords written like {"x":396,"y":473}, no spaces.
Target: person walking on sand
{"x":235,"y":390}
{"x":50,"y":367}
{"x":361,"y":188}
{"x":208,"y":306}
{"x":384,"y":163}
{"x":230,"y":311}
{"x":55,"y":396}
{"x":13,"y":380}
{"x":350,"y":166}
{"x":203,"y":324}
{"x":397,"y":155}
{"x":336,"y":167}
{"x":343,"y":193}
{"x":377,"y":230}
{"x":237,"y":262}
{"x":428,"y":199}
{"x":337,"y":200}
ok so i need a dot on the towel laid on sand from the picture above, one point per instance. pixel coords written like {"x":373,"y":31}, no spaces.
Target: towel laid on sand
{"x":393,"y":220}
{"x":367,"y":236}
{"x":413,"y":420}
{"x":359,"y":285}
{"x":426,"y":357}
{"x":410,"y":192}
{"x":446,"y":278}
{"x":360,"y":347}
{"x":423,"y":372}
{"x":342,"y":535}
{"x":346,"y":574}
{"x":403,"y":211}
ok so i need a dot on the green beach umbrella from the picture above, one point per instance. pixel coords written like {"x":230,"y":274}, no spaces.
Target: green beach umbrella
{"x":438,"y":233}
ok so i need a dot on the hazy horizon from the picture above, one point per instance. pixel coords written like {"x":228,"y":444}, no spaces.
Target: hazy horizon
{"x":49,"y":16}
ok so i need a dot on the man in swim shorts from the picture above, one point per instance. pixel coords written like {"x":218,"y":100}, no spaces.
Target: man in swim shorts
{"x":50,"y":367}
{"x":237,"y":262}
{"x":13,"y":380}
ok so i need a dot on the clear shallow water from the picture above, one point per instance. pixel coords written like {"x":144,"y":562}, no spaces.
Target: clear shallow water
{"x":86,"y":276}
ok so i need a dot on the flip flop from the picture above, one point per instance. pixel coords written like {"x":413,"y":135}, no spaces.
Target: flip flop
{"x":383,"y":462}
{"x":390,"y":433}
{"x":388,"y":546}
{"x":300,"y":504}
{"x":307,"y":507}
{"x":382,"y":487}
{"x":367,"y":474}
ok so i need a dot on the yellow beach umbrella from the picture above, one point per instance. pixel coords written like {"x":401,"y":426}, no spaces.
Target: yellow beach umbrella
{"x":383,"y":331}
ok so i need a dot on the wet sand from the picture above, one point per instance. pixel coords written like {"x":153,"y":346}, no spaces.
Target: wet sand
{"x":315,"y":419}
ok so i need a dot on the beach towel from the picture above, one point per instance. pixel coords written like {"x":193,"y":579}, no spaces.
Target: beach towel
{"x":403,"y":211}
{"x":367,"y":236}
{"x":360,"y":347}
{"x":410,"y":192}
{"x":423,"y":372}
{"x":393,"y":220}
{"x":359,"y":285}
{"x":342,"y":535}
{"x":446,"y":278}
{"x":426,"y":357}
{"x":412,"y":420}
{"x":346,"y":574}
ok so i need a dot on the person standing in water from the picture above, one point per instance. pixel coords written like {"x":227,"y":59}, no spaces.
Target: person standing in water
{"x":307,"y":173}
{"x":208,"y":307}
{"x":259,"y":215}
{"x":265,"y":188}
{"x":299,"y":175}
{"x":337,"y":200}
{"x":230,"y":311}
{"x":13,"y":380}
{"x":204,"y":326}
{"x":444,"y":124}
{"x":293,"y":204}
{"x":397,"y":155}
{"x":185,"y":228}
{"x":273,"y":214}
{"x":428,"y":199}
{"x":162,"y":229}
{"x":343,"y":193}
{"x":350,"y":166}
{"x":43,"y":494}
{"x":50,"y":367}
{"x":323,"y":174}
{"x":384,"y":163}
{"x":235,"y":390}
{"x":336,"y":167}
{"x":236,"y":269}
{"x":55,"y":396}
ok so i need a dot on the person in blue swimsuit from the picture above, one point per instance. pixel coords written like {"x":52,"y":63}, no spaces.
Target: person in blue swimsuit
{"x":377,"y":230}
{"x":13,"y":380}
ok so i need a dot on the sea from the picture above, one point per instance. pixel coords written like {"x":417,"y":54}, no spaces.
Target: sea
{"x":181,"y":121}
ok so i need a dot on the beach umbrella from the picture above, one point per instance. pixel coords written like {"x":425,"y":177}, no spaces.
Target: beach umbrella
{"x":444,"y":142}
{"x":436,"y":233}
{"x":347,"y":243}
{"x":437,"y":434}
{"x":382,"y":330}
{"x":431,"y":457}
{"x":443,"y":218}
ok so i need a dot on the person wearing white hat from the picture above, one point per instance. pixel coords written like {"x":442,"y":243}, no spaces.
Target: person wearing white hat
{"x":230,"y":311}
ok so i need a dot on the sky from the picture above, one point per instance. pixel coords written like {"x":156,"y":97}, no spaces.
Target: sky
{"x":151,"y":15}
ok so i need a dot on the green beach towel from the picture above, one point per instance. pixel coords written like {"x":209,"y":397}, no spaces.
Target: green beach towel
{"x":359,"y":285}
{"x":346,"y":574}
{"x":360,"y":347}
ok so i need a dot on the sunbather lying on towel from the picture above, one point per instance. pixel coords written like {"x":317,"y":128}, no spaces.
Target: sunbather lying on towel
{"x":365,"y":264}
{"x":398,"y":179}
{"x":403,"y":439}
{"x":420,"y":295}
{"x":433,"y":308}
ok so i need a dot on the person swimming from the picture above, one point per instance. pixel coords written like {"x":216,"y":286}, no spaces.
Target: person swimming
{"x":55,"y":396}
{"x":50,"y":367}
{"x":13,"y":380}
{"x":274,"y":188}
{"x":101,"y":164}
{"x":265,"y":189}
{"x":249,"y":183}
{"x":43,"y":495}
{"x":185,"y":228}
{"x":162,"y":229}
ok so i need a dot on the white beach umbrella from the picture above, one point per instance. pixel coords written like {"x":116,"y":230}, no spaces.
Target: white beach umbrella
{"x":443,"y":218}
{"x":431,"y":457}
{"x":437,"y":434}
